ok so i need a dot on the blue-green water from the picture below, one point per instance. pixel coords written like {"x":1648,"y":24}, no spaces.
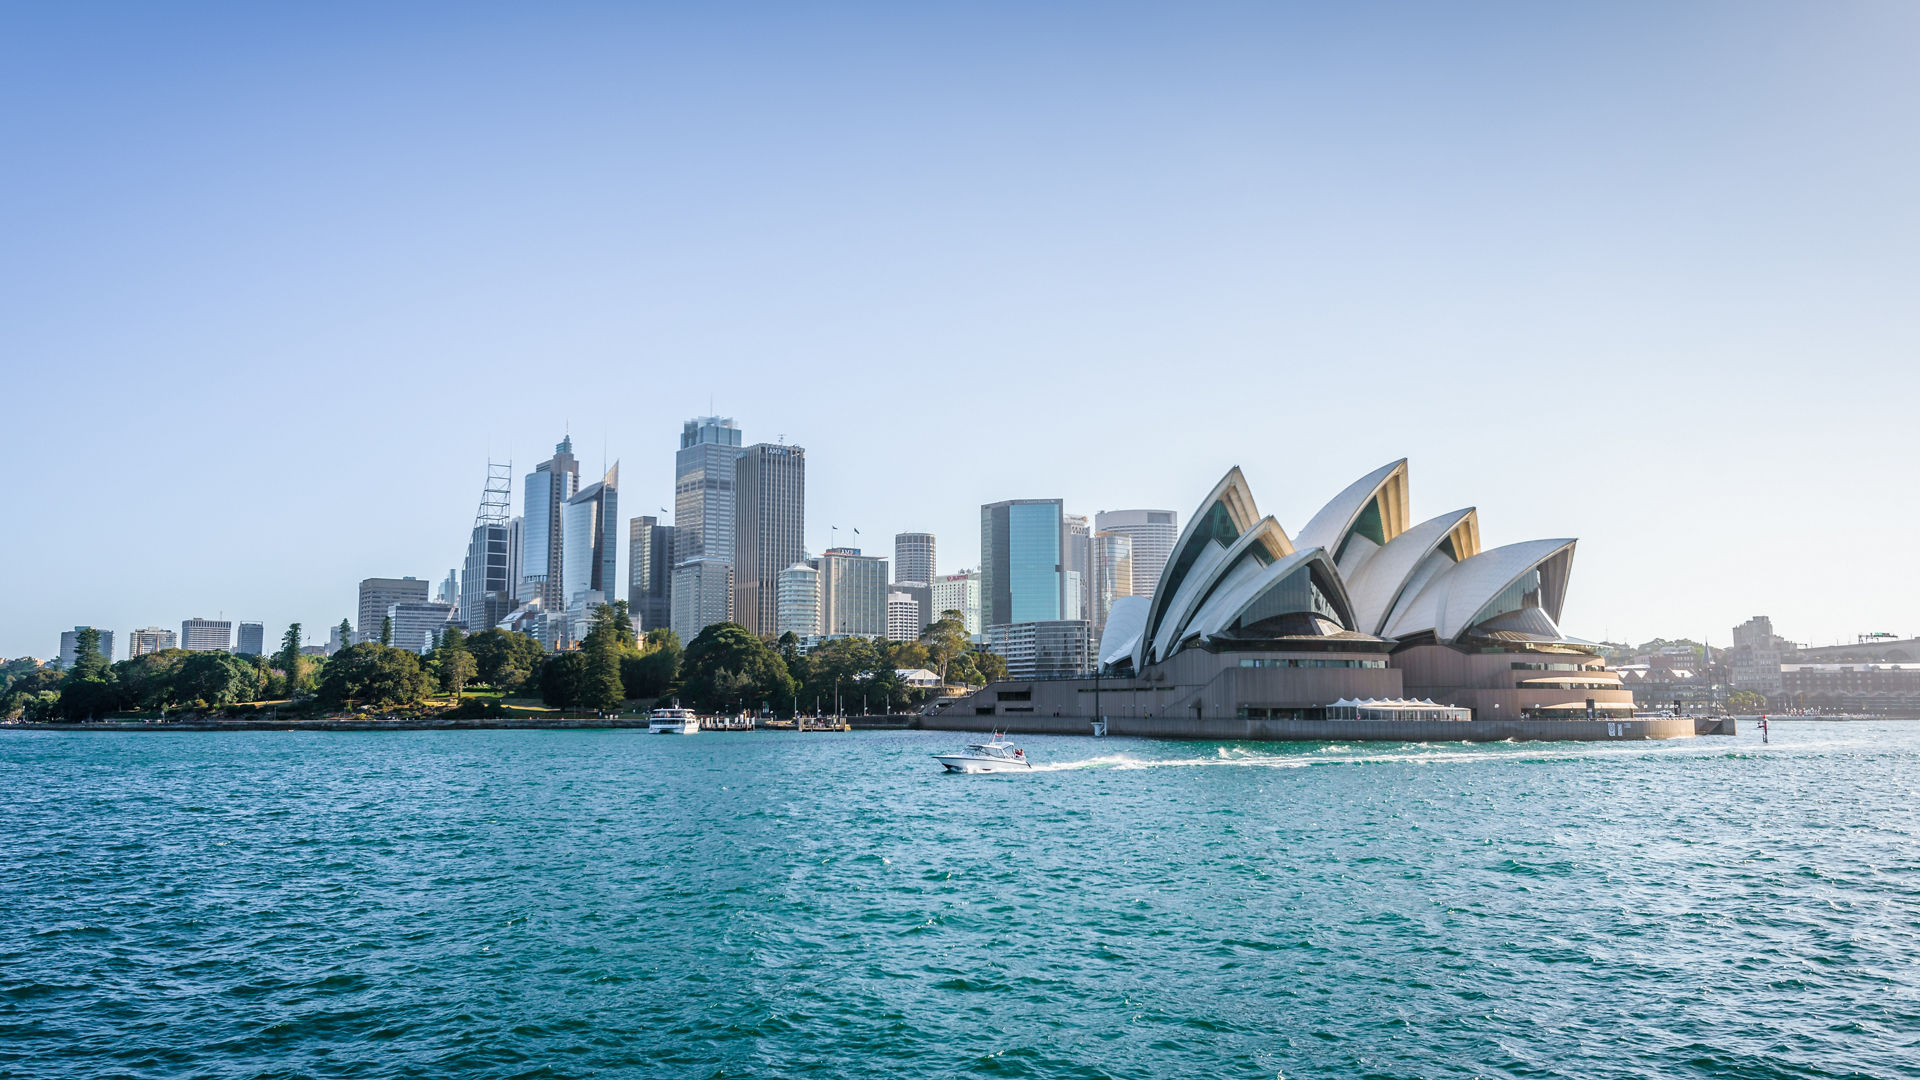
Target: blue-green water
{"x":573,"y":904}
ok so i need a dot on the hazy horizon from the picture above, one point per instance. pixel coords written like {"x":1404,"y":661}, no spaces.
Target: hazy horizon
{"x":279,"y":283}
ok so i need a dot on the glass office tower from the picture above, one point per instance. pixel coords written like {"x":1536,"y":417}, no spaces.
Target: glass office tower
{"x":1021,"y":576}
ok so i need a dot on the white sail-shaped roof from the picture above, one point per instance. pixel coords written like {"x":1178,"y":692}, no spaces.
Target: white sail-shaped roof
{"x":1161,"y":637}
{"x":1452,"y":601}
{"x":1383,"y":579}
{"x":1336,"y":521}
{"x":1233,"y":600}
{"x":1224,"y":515}
{"x":1260,"y":546}
{"x":1121,"y":636}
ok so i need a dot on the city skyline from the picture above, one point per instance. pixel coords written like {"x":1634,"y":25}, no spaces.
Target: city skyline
{"x":1691,"y":283}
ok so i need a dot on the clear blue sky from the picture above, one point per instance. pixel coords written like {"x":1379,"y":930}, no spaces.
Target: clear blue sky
{"x":276,"y":280}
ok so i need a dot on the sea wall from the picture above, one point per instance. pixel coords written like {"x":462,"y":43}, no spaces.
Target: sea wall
{"x":1184,"y":727}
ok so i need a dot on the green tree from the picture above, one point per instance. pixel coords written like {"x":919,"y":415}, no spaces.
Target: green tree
{"x":651,"y":672}
{"x":88,"y":664}
{"x":946,"y":640}
{"x":1746,"y":701}
{"x":346,"y":633}
{"x":372,"y":674}
{"x":216,"y":678}
{"x":727,"y":668}
{"x":842,"y":666}
{"x":453,"y":662}
{"x":386,"y":630}
{"x":563,"y":679}
{"x":605,"y":646}
{"x":505,"y":660}
{"x":148,"y":682}
{"x":991,"y":666}
{"x":288,"y":659}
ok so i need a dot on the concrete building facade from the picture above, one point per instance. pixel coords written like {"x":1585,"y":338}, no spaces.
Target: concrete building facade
{"x":769,"y":514}
{"x":377,"y":595}
{"x":957,"y":592}
{"x":797,"y":609}
{"x":650,"y":560}
{"x":150,"y":639}
{"x":913,"y":557}
{"x":252,"y":640}
{"x":853,"y":593}
{"x":70,"y":645}
{"x":703,"y":488}
{"x":214,"y":635}
{"x":702,"y":594}
{"x":1153,"y":533}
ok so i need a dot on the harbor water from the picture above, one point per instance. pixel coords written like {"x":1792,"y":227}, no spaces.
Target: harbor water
{"x":506,"y":904}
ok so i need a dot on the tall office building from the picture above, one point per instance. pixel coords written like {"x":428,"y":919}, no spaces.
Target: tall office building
{"x":903,"y":616}
{"x":590,"y":539}
{"x":703,"y":488}
{"x":913,"y":557}
{"x":957,"y":592}
{"x":417,"y":626}
{"x":1076,"y":562}
{"x":516,"y":529}
{"x":70,"y":645}
{"x":1112,"y":575}
{"x":1153,"y":533}
{"x":797,"y":609}
{"x":151,"y":639}
{"x":542,"y":533}
{"x":853,"y":593}
{"x":213,"y":635}
{"x":253,"y":640}
{"x":702,"y":594}
{"x":1021,"y":576}
{"x":449,"y":593}
{"x":487,"y":577}
{"x":769,"y":514}
{"x":377,"y":594}
{"x":650,"y":559}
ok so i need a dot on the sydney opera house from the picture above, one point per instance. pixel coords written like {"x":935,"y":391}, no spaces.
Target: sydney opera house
{"x":1360,"y":624}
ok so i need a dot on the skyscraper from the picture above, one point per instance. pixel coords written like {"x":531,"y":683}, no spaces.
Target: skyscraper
{"x":377,"y":594}
{"x":1112,"y":575}
{"x":769,"y":513}
{"x":151,"y":639}
{"x":1153,"y":533}
{"x":487,"y":581}
{"x":253,"y":640}
{"x":650,"y":559}
{"x":903,"y":616}
{"x":958,"y":592}
{"x":703,"y":488}
{"x":590,"y":539}
{"x":797,"y":610}
{"x":1021,"y":576}
{"x":549,"y":486}
{"x":702,"y":595}
{"x":853,"y":593}
{"x":70,"y":645}
{"x":1076,"y":563}
{"x":417,"y":626}
{"x":214,"y":635}
{"x":913,"y":557}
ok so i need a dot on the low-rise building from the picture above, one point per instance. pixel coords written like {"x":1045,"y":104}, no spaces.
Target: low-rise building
{"x":1038,"y":650}
{"x":150,"y":639}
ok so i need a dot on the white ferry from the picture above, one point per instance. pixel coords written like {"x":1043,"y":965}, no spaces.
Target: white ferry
{"x":674,"y":721}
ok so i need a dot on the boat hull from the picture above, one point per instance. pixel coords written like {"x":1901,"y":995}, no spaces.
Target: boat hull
{"x":673,"y":729}
{"x":967,"y":763}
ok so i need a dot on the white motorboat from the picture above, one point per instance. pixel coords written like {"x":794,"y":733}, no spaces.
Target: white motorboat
{"x":994,"y":755}
{"x":674,"y":721}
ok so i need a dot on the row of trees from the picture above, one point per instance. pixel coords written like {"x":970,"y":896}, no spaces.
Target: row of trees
{"x":724,"y":669}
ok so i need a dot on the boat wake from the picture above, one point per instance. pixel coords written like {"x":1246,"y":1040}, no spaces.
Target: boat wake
{"x":1342,"y":754}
